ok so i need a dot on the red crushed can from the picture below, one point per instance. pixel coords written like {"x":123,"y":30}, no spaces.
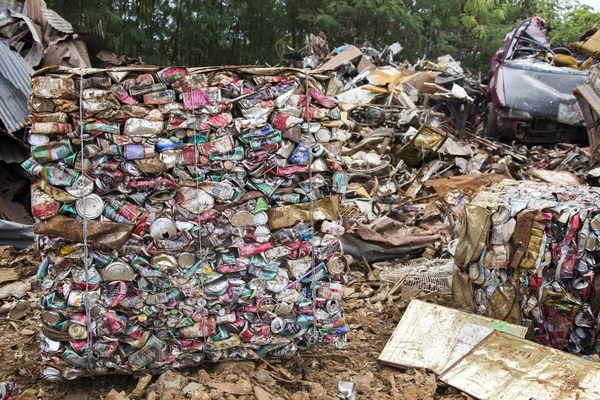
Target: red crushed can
{"x":250,"y":249}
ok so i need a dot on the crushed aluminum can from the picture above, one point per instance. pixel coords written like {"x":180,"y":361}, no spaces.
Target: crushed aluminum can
{"x":142,"y":127}
{"x":161,"y":97}
{"x":77,"y":331}
{"x":205,"y":233}
{"x":50,"y":128}
{"x":43,"y":206}
{"x":81,"y":186}
{"x":52,"y":151}
{"x":300,"y":154}
{"x":162,"y":229}
{"x":90,"y":206}
{"x":117,"y":271}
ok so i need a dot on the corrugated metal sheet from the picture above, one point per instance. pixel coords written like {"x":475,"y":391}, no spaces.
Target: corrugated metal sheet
{"x":505,"y":367}
{"x":98,"y":29}
{"x":17,"y":235}
{"x":14,"y":86}
{"x":589,"y":102}
{"x":11,"y":5}
{"x":56,"y":21}
{"x":32,"y":9}
{"x":434,"y":337}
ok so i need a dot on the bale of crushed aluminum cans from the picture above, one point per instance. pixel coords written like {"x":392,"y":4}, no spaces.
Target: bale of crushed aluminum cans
{"x":184,"y":215}
{"x":528,"y":253}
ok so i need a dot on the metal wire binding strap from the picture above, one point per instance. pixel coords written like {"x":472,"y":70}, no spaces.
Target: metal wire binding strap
{"x":86,"y":261}
{"x":200,"y":249}
{"x":312,"y":339}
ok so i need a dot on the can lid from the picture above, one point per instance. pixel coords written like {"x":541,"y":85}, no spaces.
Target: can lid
{"x":242,"y":218}
{"x":38,"y":140}
{"x":77,"y":331}
{"x":277,"y":325}
{"x":201,"y":302}
{"x":581,"y":283}
{"x":240,"y":171}
{"x":323,"y":135}
{"x":260,"y":218}
{"x":117,"y":271}
{"x":262,"y":231}
{"x":179,"y":133}
{"x":337,"y":265}
{"x":163,"y":229}
{"x":36,"y":170}
{"x":50,"y":317}
{"x":90,"y":206}
{"x":186,"y":260}
{"x":317,"y":150}
{"x":164,"y":262}
{"x":123,"y":188}
{"x":333,"y":306}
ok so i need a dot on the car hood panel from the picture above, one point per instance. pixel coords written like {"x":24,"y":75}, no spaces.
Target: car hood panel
{"x":545,"y":92}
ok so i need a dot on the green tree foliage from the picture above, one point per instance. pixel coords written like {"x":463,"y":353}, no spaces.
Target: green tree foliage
{"x":217,"y":32}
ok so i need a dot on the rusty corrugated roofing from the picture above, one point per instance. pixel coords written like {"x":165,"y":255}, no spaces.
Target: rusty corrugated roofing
{"x":14,"y":86}
{"x":56,"y":21}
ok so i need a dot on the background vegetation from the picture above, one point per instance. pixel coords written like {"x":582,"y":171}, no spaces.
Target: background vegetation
{"x":217,"y":32}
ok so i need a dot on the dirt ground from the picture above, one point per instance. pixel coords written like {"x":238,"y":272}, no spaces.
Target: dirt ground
{"x":371,"y":314}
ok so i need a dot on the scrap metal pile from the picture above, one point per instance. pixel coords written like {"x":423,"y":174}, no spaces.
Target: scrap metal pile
{"x":529,"y":250}
{"x":185,"y":215}
{"x":204,"y":214}
{"x":32,"y":36}
{"x":413,"y":140}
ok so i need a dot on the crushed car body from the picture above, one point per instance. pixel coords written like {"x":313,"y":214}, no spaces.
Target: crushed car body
{"x":531,"y":89}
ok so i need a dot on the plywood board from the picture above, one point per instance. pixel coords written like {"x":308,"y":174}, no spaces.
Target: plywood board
{"x":503,"y":367}
{"x":434,"y":337}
